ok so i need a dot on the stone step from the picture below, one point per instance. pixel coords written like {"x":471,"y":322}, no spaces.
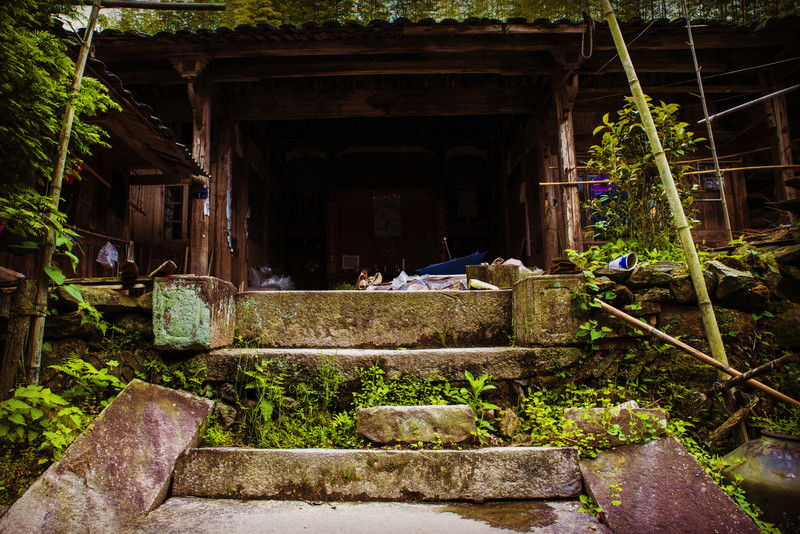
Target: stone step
{"x":211,"y":516}
{"x":503,"y":363}
{"x":499,"y":473}
{"x":374,"y":319}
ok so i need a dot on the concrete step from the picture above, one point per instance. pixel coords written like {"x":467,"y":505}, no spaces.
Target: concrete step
{"x":379,"y":475}
{"x":212,"y":516}
{"x":503,"y":363}
{"x":374,"y":319}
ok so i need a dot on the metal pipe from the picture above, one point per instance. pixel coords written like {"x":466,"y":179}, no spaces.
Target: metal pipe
{"x":751,"y":103}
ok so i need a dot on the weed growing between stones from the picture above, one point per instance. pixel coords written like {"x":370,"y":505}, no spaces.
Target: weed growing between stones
{"x":278,"y":410}
{"x":480,"y":407}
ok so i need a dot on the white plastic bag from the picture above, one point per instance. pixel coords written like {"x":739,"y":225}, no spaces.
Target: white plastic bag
{"x":108,"y":255}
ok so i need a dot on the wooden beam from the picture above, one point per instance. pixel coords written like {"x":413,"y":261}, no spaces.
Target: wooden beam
{"x":672,"y":89}
{"x":147,"y":49}
{"x":289,"y":104}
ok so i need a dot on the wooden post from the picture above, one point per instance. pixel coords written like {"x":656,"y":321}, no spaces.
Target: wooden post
{"x":199,"y":88}
{"x":564,"y":96}
{"x":18,"y":327}
{"x":222,"y":225}
{"x":778,"y":123}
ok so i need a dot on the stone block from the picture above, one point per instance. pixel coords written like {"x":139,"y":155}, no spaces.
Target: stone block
{"x":738,"y":289}
{"x":660,"y":487}
{"x":611,"y":427}
{"x":379,"y":475}
{"x":398,"y":424}
{"x":503,"y":363}
{"x":117,"y":471}
{"x":502,"y":276}
{"x":374,"y":319}
{"x":105,"y":300}
{"x":542,"y":310}
{"x":657,"y":274}
{"x":193,"y":313}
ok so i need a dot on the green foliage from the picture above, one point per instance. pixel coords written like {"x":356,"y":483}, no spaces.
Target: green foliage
{"x":188,"y":375}
{"x":588,"y":506}
{"x":639,"y":211}
{"x":480,"y":407}
{"x":35,"y":84}
{"x":300,"y":414}
{"x":36,"y":416}
{"x":19,"y":468}
{"x":378,"y":390}
{"x":300,"y":11}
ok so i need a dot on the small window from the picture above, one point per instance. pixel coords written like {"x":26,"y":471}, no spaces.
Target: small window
{"x":173,"y":212}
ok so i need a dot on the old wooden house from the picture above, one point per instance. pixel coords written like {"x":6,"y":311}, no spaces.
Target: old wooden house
{"x":97,"y":197}
{"x":334,"y":147}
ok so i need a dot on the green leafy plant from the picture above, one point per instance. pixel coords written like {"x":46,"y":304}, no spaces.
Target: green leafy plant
{"x":37,"y":416}
{"x":638,"y":211}
{"x":589,"y":506}
{"x":480,"y":407}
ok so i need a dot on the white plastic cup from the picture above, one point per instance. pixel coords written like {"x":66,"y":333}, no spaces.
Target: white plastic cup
{"x":626,"y":262}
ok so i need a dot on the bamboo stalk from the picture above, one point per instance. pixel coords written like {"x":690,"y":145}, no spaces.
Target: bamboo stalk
{"x":684,"y":231}
{"x":54,"y":193}
{"x":722,"y":367}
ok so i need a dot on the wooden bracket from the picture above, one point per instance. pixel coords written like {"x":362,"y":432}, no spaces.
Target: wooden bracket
{"x":189,"y":67}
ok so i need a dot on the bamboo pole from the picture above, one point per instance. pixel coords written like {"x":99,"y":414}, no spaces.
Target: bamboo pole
{"x":704,"y":302}
{"x":708,"y":124}
{"x":54,"y":194}
{"x":722,"y":367}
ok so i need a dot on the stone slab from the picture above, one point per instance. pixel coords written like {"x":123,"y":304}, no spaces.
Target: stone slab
{"x":503,"y":363}
{"x":542,"y":310}
{"x":105,"y":300}
{"x":605,"y":427}
{"x":502,"y":276}
{"x":212,"y":516}
{"x":193,"y":313}
{"x":118,"y":470}
{"x":663,"y":489}
{"x":374,"y":319}
{"x":379,"y":475}
{"x":404,"y":424}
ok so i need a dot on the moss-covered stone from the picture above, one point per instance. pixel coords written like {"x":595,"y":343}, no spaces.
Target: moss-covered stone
{"x":374,"y":475}
{"x":193,"y":313}
{"x":374,"y":319}
{"x":118,"y":470}
{"x":543,"y":310}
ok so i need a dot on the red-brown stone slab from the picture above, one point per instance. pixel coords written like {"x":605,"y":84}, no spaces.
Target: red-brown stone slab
{"x":663,"y":489}
{"x":118,"y":470}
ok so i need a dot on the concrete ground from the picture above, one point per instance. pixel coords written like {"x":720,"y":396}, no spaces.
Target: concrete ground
{"x":200,"y":516}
